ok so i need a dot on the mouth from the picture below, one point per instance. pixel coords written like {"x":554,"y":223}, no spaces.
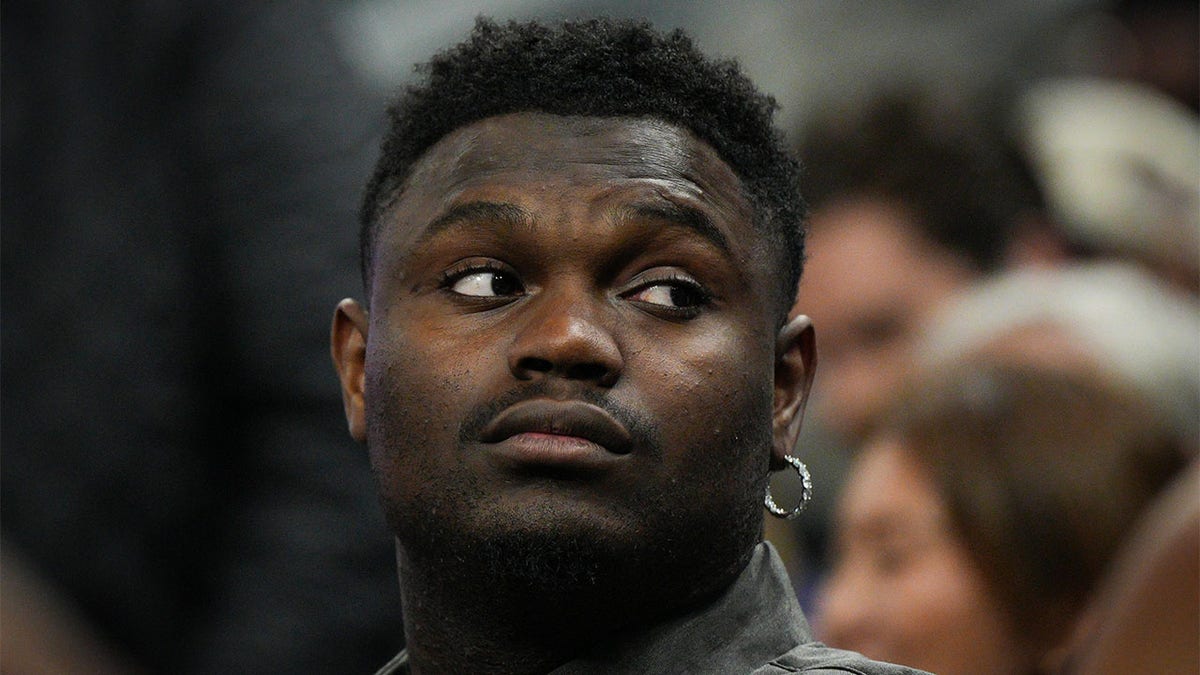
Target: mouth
{"x":557,"y":433}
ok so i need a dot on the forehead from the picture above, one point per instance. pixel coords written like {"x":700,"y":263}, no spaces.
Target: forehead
{"x":868,"y":251}
{"x":868,"y":262}
{"x":890,"y":488}
{"x":535,"y":154}
{"x":554,"y":145}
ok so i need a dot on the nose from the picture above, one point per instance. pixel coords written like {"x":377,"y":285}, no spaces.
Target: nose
{"x":564,"y":334}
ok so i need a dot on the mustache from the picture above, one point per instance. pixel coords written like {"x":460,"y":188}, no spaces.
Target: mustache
{"x":642,"y":430}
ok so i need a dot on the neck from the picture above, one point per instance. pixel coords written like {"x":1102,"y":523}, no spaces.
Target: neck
{"x":454,"y":624}
{"x":464,"y":620}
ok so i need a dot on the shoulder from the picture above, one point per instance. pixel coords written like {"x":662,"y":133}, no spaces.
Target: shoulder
{"x":813,"y":658}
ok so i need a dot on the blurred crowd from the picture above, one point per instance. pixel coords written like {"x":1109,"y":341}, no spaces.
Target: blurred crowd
{"x":1006,"y":296}
{"x":1005,"y":286}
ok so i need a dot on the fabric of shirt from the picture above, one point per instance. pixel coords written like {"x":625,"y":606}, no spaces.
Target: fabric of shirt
{"x":756,"y":626}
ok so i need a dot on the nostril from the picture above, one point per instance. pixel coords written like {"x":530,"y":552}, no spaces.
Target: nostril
{"x":596,"y":372}
{"x":564,"y":341}
{"x":586,"y":371}
{"x":532,"y":364}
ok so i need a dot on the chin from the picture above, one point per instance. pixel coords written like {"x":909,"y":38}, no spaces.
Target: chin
{"x":555,"y":545}
{"x":557,"y":542}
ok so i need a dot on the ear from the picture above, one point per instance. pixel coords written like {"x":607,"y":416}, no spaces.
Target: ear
{"x":795,"y":364}
{"x":348,"y":345}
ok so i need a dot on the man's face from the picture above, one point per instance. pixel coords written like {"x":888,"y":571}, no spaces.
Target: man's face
{"x":571,"y":350}
{"x":871,"y":284}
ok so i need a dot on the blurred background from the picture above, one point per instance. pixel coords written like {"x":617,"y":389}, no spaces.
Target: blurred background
{"x":179,"y":189}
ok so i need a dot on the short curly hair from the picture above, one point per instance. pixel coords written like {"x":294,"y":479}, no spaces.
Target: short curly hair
{"x":596,"y":68}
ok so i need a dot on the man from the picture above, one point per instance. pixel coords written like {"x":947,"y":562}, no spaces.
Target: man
{"x":911,"y":204}
{"x":572,"y":369}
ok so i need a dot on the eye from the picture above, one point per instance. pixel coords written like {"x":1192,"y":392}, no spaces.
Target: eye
{"x":677,"y":295}
{"x":484,"y":282}
{"x":672,"y":294}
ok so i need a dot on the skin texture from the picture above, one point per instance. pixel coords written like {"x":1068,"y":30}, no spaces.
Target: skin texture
{"x":572,"y":334}
{"x":871,"y":283}
{"x":904,"y":589}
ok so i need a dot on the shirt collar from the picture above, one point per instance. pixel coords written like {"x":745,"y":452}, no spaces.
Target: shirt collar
{"x":756,"y":619}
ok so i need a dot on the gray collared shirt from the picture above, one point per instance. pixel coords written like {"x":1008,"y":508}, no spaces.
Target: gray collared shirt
{"x":756,"y":626}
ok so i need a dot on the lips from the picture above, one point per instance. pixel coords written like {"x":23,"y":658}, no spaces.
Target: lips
{"x":562,"y":427}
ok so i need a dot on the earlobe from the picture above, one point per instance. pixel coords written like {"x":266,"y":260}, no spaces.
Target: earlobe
{"x":795,"y":365}
{"x":348,"y":345}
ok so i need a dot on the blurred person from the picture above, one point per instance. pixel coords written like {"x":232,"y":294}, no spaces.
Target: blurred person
{"x":177,"y":180}
{"x":1116,"y":145}
{"x":1110,"y":317}
{"x":1146,"y":615}
{"x":910,"y":204}
{"x":982,"y":512}
{"x":573,"y":367}
{"x":1119,"y":164}
{"x":912,"y":201}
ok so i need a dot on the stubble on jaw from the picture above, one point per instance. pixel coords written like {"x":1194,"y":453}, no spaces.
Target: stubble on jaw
{"x":650,"y":554}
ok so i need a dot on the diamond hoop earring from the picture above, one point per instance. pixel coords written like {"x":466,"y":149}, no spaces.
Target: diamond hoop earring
{"x":805,"y":491}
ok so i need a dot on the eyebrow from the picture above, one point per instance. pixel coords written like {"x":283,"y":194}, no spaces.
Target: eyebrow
{"x":504,"y":215}
{"x":682,"y":215}
{"x":511,"y":216}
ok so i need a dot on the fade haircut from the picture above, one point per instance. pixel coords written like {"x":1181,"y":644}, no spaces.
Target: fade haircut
{"x":596,"y":68}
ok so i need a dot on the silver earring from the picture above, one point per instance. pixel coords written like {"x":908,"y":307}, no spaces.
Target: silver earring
{"x":806,"y":488}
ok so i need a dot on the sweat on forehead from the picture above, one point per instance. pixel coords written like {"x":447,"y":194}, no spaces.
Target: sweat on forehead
{"x":595,"y":68}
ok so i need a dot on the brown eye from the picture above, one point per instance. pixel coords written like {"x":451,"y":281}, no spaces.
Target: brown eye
{"x":487,"y":284}
{"x":675,"y":295}
{"x":669,"y":294}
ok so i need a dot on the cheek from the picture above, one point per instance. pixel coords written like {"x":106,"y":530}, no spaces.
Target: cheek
{"x":416,"y":391}
{"x":939,"y":593}
{"x":389,"y":393}
{"x":704,"y":398}
{"x":948,"y":620}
